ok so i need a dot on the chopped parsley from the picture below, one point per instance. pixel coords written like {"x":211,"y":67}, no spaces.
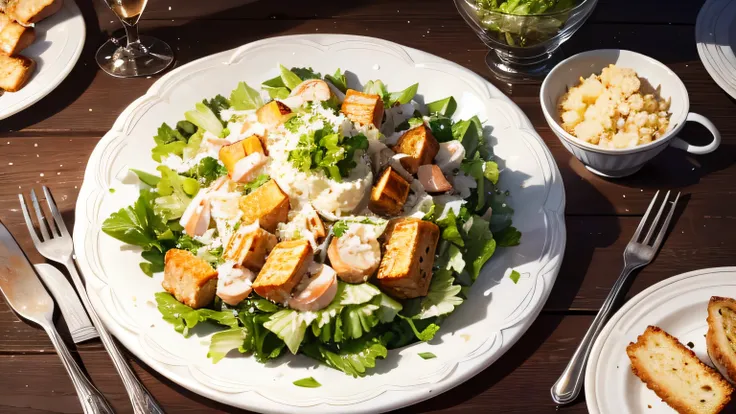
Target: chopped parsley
{"x":326,"y":150}
{"x":515,"y":276}
{"x":253,"y":185}
{"x":307,"y":382}
{"x":427,"y":355}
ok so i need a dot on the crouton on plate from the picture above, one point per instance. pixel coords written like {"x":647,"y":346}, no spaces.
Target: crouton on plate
{"x":389,"y":193}
{"x":284,"y":268}
{"x":249,"y":248}
{"x":363,"y":108}
{"x":190,"y":279}
{"x":267,"y":204}
{"x":419,"y":145}
{"x":15,"y":72}
{"x":27,"y":12}
{"x":406,"y":268}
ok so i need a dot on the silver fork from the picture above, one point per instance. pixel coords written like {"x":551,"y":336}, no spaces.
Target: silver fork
{"x":57,"y":246}
{"x":636,"y":255}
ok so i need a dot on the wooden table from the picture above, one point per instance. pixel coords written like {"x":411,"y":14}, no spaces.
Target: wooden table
{"x":49,"y":144}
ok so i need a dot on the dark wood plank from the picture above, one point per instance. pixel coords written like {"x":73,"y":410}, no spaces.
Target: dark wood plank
{"x":646,"y":11}
{"x":38,"y":383}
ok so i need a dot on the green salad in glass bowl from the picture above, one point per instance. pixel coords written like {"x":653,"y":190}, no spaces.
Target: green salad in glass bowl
{"x":524,"y":34}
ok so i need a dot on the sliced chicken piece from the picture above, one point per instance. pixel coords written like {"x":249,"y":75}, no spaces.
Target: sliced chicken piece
{"x":235,"y":285}
{"x":246,"y":169}
{"x":316,"y":289}
{"x":354,"y":259}
{"x":273,"y":113}
{"x":311,"y":90}
{"x":197,"y":215}
{"x":432,"y":179}
{"x":450,"y":156}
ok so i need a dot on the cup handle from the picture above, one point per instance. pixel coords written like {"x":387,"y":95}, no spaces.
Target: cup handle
{"x":695,"y":149}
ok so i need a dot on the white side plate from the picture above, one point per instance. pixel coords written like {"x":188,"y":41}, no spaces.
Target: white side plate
{"x":59,"y":42}
{"x":715,"y":36}
{"x":678,"y":305}
{"x":494,"y":317}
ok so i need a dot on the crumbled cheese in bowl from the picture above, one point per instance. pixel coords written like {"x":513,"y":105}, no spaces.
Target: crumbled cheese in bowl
{"x":609,"y":110}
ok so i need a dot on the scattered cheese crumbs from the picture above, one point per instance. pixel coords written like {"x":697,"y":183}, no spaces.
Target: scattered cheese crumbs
{"x":41,"y":174}
{"x":35,"y":145}
{"x":90,"y":109}
{"x":10,"y":163}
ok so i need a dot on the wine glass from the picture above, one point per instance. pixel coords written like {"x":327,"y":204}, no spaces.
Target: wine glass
{"x":132,"y":55}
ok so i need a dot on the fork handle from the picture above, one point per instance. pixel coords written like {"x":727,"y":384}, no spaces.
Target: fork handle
{"x":568,"y":386}
{"x":93,"y":402}
{"x":141,"y":400}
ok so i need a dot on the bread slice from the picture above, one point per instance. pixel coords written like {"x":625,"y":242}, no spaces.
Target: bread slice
{"x":721,"y":337}
{"x":15,"y":72}
{"x":14,"y":37}
{"x":27,"y":12}
{"x":676,"y":375}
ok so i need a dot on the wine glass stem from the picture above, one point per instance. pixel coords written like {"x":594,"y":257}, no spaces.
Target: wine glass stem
{"x":131,"y":33}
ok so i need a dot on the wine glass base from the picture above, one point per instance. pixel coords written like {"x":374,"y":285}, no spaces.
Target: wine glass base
{"x":147,"y":57}
{"x":522,"y":70}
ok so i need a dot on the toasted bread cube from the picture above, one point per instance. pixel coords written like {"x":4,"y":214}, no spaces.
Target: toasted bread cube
{"x":231,"y":154}
{"x":253,"y":144}
{"x":249,"y":248}
{"x":27,"y":12}
{"x":273,"y":113}
{"x":420,"y":146}
{"x":406,"y":268}
{"x":389,"y":193}
{"x":283,"y":270}
{"x":363,"y":108}
{"x":15,"y":72}
{"x":13,"y":36}
{"x":267,"y":204}
{"x":190,"y":279}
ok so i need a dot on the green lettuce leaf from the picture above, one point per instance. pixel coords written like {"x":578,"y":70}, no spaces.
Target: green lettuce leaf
{"x":175,"y":193}
{"x":354,"y":358}
{"x":138,"y":224}
{"x":450,"y":230}
{"x":507,"y":237}
{"x":276,"y":88}
{"x":146,"y":178}
{"x":338,"y":79}
{"x":154,"y":262}
{"x":225,"y":341}
{"x":402,"y":97}
{"x":290,"y":79}
{"x":445,"y":107}
{"x":306,"y":73}
{"x":307,"y":382}
{"x":168,"y":141}
{"x":185,"y":318}
{"x":288,"y":325}
{"x":244,"y":97}
{"x":442,"y":297}
{"x":481,"y":244}
{"x":441,"y":128}
{"x":216,"y":105}
{"x":490,"y":171}
{"x":515,"y":276}
{"x":203,"y":117}
{"x":376,"y":88}
{"x":470,"y":133}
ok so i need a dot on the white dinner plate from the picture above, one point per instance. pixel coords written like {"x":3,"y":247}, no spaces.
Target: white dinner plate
{"x":59,"y":42}
{"x":715,"y":36}
{"x":474,"y":336}
{"x":678,"y":305}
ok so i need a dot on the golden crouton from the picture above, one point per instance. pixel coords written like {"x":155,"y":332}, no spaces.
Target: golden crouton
{"x":389,"y":193}
{"x":267,"y":204}
{"x":283,"y":270}
{"x":231,"y":154}
{"x":363,"y":108}
{"x":420,"y":146}
{"x":406,"y":268}
{"x":190,"y":279}
{"x":15,"y":72}
{"x":273,"y":113}
{"x":249,"y":248}
{"x":27,"y":12}
{"x":253,"y":144}
{"x":13,"y":36}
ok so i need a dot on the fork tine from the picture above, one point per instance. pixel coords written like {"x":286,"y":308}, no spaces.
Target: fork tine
{"x":656,"y":219}
{"x":663,"y":231}
{"x":29,"y":222}
{"x":58,"y":219}
{"x":643,"y":221}
{"x":41,"y":218}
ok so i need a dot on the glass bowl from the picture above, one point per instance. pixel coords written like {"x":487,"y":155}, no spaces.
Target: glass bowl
{"x":524,"y":45}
